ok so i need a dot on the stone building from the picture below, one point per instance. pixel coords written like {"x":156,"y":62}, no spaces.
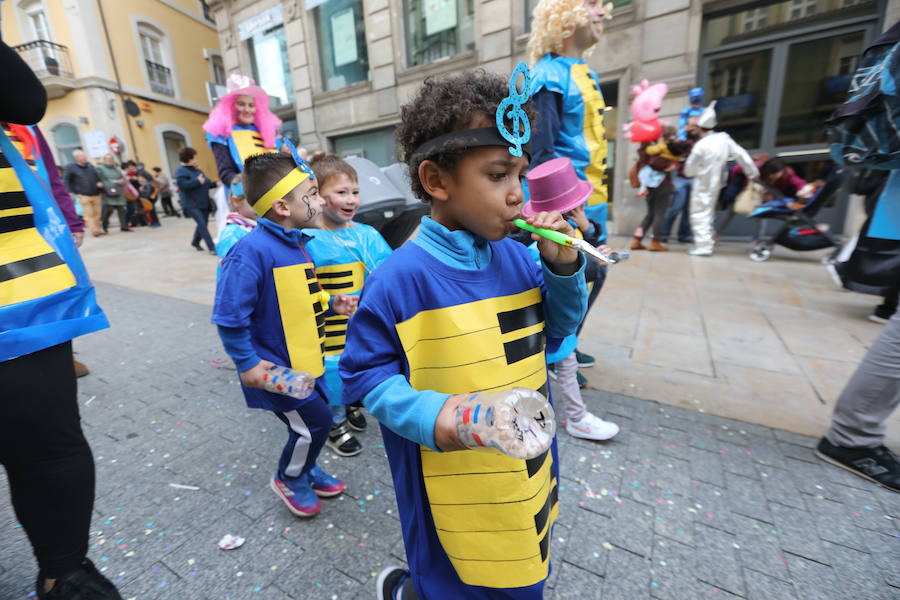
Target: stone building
{"x":339,"y":70}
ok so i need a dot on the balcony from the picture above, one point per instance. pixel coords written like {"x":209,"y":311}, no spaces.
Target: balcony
{"x":160,"y":78}
{"x":51,"y":63}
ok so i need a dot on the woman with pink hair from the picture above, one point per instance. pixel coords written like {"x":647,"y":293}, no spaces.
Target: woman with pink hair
{"x":240,"y":126}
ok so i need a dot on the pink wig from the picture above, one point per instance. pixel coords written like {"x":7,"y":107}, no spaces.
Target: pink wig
{"x":223,"y":117}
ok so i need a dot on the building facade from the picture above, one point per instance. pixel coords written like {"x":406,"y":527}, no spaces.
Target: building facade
{"x":339,"y":70}
{"x":100,"y":59}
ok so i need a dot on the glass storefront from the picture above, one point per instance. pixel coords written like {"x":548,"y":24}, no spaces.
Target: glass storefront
{"x":438,"y":28}
{"x":263,"y":35}
{"x":379,"y":146}
{"x":778,"y":71}
{"x":341,"y":38}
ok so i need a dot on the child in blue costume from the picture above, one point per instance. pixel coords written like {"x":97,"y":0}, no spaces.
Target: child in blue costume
{"x":460,"y":309}
{"x":269,"y":309}
{"x":345,"y":254}
{"x":695,"y":109}
{"x":239,"y":222}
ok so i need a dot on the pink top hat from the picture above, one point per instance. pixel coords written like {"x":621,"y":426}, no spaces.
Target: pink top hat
{"x":553,"y":185}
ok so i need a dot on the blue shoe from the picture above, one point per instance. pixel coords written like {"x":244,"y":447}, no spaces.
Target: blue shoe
{"x":297,"y":495}
{"x":323,"y":484}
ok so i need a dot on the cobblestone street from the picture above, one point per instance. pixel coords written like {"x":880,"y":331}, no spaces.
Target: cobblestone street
{"x":680,"y":505}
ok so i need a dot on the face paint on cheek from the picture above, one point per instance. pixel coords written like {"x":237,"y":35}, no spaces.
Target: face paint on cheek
{"x":310,"y":211}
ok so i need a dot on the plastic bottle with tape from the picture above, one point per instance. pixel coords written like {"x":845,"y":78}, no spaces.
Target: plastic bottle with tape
{"x":289,"y":382}
{"x":519,"y":422}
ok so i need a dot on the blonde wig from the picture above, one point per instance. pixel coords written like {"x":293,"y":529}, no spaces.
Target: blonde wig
{"x":553,"y":21}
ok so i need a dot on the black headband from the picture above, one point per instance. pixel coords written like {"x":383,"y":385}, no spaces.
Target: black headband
{"x":468,"y":138}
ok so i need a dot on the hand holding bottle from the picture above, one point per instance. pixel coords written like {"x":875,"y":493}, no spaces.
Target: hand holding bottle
{"x":519,"y":422}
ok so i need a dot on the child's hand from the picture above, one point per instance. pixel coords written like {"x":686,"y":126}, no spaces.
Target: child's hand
{"x":580,"y":217}
{"x":556,"y":255}
{"x":445,"y":436}
{"x":344,"y":304}
{"x":253,"y":378}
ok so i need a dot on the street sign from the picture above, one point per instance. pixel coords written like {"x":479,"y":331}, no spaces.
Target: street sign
{"x":114,"y":145}
{"x":95,"y":143}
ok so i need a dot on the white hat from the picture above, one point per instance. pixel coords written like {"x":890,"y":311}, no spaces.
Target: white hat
{"x":707,"y":118}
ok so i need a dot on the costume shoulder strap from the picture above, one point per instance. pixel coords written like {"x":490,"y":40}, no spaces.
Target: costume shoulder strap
{"x":551,"y":73}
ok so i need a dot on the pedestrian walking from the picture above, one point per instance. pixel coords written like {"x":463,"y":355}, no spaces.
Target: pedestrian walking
{"x":82,"y":179}
{"x":193,"y":189}
{"x":165,"y":193}
{"x":113,"y":192}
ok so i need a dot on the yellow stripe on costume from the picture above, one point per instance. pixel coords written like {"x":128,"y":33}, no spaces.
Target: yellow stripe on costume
{"x":302,"y":316}
{"x":249,"y":142}
{"x":492,"y":513}
{"x":339,"y":279}
{"x":594,"y":133}
{"x":9,"y":181}
{"x":12,"y":212}
{"x":27,"y":250}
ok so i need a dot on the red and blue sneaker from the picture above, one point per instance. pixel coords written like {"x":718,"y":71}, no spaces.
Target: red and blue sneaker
{"x":323,"y":484}
{"x":297,"y":495}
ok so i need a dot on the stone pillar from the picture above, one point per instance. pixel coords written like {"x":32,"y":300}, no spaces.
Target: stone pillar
{"x":295,"y":15}
{"x":380,"y":48}
{"x":494,"y":35}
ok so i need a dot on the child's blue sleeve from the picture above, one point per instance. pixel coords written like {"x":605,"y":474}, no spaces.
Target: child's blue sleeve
{"x":238,"y":346}
{"x":565,"y":300}
{"x":407,"y":412}
{"x":373,"y":370}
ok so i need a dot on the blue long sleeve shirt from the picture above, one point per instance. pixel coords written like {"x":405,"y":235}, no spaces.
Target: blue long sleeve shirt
{"x":412,"y":413}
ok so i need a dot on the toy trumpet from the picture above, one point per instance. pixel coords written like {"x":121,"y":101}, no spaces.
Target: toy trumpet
{"x":611,"y":258}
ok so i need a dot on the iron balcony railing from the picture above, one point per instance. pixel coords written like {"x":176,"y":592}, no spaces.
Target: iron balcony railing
{"x":46,"y":58}
{"x":160,"y":78}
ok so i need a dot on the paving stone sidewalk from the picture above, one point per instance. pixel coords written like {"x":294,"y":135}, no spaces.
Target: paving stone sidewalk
{"x":681,"y":505}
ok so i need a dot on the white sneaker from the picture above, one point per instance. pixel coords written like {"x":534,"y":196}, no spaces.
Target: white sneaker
{"x":700,"y":251}
{"x":591,"y":427}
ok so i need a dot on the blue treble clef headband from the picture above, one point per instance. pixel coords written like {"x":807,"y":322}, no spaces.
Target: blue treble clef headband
{"x":512,"y":130}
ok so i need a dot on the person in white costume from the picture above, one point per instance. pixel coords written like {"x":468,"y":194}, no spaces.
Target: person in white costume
{"x":706,"y":165}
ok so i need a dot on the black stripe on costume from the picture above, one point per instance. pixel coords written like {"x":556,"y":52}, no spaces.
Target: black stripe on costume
{"x":314,"y":287}
{"x":328,"y":287}
{"x":335,"y":275}
{"x":333,"y":348}
{"x":16,"y":223}
{"x":540,"y":519}
{"x":310,"y":274}
{"x":27,"y":266}
{"x":545,"y":546}
{"x":522,"y":348}
{"x":534,"y":464}
{"x":339,"y":333}
{"x":338,"y":320}
{"x":13,"y":200}
{"x":320,"y":315}
{"x":4,"y":162}
{"x":520,"y":318}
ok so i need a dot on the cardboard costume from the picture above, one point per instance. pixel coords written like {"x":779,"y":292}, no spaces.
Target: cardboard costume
{"x":343,"y":259}
{"x":581,"y":136}
{"x":474,"y":524}
{"x":46,"y":297}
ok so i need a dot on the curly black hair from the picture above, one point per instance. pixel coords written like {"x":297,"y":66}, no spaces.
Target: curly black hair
{"x":444,"y":105}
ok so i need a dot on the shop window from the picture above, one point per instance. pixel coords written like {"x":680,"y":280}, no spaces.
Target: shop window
{"x":438,"y":28}
{"x":379,"y":146}
{"x":67,"y":141}
{"x":740,"y":84}
{"x":815,"y":84}
{"x":269,"y":62}
{"x":341,"y":38}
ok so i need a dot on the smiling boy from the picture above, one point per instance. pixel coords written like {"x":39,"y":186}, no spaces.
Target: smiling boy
{"x":345,"y":254}
{"x":461,"y":309}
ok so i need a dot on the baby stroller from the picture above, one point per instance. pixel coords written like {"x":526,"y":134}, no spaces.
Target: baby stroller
{"x":798,"y":230}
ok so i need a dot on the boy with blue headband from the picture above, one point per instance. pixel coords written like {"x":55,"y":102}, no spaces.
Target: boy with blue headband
{"x":462,"y":309}
{"x":270,"y":310}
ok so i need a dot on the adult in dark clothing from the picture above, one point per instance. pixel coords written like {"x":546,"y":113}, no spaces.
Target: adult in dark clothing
{"x":680,"y":198}
{"x":193,"y":190}
{"x":81,"y":178}
{"x":165,"y":192}
{"x":113,"y":193}
{"x":47,"y":460}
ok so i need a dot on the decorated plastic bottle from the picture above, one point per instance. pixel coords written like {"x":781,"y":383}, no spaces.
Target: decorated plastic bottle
{"x":288,"y":382}
{"x":518,"y":422}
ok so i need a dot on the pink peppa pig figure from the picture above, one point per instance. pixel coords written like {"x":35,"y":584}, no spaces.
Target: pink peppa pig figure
{"x":645,"y":111}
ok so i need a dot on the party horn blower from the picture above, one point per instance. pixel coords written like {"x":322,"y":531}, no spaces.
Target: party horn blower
{"x":562,"y":239}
